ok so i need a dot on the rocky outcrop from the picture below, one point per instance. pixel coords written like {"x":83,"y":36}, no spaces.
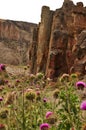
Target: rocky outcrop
{"x":15,"y":39}
{"x":79,"y":65}
{"x":58,"y":35}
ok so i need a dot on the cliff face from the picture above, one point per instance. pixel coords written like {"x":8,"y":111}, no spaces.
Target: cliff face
{"x":58,"y":34}
{"x":15,"y":39}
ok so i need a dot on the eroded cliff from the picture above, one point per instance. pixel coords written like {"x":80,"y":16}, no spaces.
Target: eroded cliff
{"x":54,"y":49}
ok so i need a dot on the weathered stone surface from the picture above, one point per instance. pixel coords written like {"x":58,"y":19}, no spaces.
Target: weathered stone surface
{"x":40,"y":45}
{"x":57,"y":39}
{"x":80,"y":54}
{"x":33,"y":52}
{"x":44,"y":38}
{"x":15,"y":39}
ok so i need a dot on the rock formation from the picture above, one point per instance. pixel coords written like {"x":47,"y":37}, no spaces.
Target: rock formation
{"x":79,"y":65}
{"x":59,"y":41}
{"x":15,"y":39}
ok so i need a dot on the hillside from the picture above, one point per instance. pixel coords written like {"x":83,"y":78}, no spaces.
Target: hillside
{"x":15,"y":39}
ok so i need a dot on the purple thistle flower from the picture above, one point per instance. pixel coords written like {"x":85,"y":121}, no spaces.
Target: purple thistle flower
{"x":45,"y":100}
{"x":2,"y":67}
{"x":83,"y":105}
{"x":1,"y":99}
{"x":38,"y":92}
{"x":17,"y":81}
{"x":49,"y":113}
{"x":80,"y":85}
{"x":6,"y":81}
{"x":44,"y":126}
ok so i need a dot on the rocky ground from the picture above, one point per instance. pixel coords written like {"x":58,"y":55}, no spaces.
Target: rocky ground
{"x":17,"y":70}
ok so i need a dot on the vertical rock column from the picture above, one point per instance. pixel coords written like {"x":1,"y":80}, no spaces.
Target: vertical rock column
{"x":33,"y":52}
{"x":56,"y":63}
{"x":44,"y":38}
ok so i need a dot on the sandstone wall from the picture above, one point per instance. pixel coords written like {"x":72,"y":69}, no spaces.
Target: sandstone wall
{"x":57,"y":38}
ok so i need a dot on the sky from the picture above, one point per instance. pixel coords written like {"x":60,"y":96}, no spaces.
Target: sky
{"x":28,"y":10}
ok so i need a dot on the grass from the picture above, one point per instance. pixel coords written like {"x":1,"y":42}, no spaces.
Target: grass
{"x":26,"y":98}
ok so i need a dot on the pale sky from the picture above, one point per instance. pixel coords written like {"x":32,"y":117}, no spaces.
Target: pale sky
{"x":28,"y":10}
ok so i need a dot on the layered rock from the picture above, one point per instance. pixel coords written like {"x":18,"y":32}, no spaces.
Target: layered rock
{"x":15,"y":39}
{"x":58,"y":34}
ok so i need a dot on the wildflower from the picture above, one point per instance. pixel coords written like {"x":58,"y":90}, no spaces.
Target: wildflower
{"x":83,"y":105}
{"x":25,"y":68}
{"x":38,"y":96}
{"x":18,"y":81}
{"x":38,"y":92}
{"x":80,"y":85}
{"x":2,"y":67}
{"x":64,"y":77}
{"x":6,"y":81}
{"x":1,"y":99}
{"x":49,"y":113}
{"x":32,"y":76}
{"x":51,"y":118}
{"x":3,"y":113}
{"x":45,"y":100}
{"x":74,"y":76}
{"x":39,"y":75}
{"x":30,"y":95}
{"x":44,"y":126}
{"x":2,"y":127}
